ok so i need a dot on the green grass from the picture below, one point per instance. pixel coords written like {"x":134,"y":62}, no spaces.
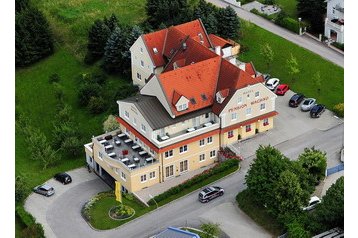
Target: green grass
{"x":198,"y":185}
{"x":309,"y":63}
{"x":19,"y":226}
{"x":258,"y":213}
{"x":99,"y":212}
{"x":71,"y":19}
{"x":35,"y":98}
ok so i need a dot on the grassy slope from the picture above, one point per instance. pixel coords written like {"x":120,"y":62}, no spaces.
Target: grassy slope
{"x":332,"y":76}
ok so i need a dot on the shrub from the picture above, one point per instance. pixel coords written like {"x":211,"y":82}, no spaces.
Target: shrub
{"x":339,"y":109}
{"x":25,"y":217}
{"x":338,"y":45}
{"x":33,"y":231}
{"x":58,"y":90}
{"x":21,"y":188}
{"x":96,"y":105}
{"x":288,"y":23}
{"x":86,"y":92}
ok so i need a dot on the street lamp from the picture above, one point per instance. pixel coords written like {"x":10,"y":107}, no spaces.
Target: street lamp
{"x":150,"y":195}
{"x":299,"y":26}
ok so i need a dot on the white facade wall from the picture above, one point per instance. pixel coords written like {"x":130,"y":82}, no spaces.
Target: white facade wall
{"x":142,"y":65}
{"x":333,"y":13}
{"x":248,"y":100}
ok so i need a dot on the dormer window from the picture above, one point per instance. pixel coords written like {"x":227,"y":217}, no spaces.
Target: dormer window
{"x":182,"y":107}
{"x":221,"y":95}
{"x":182,"y":104}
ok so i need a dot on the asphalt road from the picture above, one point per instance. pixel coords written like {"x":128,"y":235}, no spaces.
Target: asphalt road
{"x":303,"y":41}
{"x":65,"y":219}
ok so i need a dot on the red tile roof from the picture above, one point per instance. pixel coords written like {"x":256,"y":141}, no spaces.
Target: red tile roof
{"x":249,"y":68}
{"x":192,"y":81}
{"x":156,"y":40}
{"x":218,"y":41}
{"x":196,"y":31}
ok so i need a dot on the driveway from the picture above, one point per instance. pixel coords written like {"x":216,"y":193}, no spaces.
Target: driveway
{"x":303,"y":41}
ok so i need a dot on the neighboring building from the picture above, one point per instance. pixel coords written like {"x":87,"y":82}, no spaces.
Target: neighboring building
{"x":172,"y":232}
{"x":334,"y":24}
{"x":200,"y":101}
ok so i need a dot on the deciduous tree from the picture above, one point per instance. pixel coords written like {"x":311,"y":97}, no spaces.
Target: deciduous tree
{"x":314,"y":162}
{"x":210,"y":230}
{"x":110,"y":124}
{"x":293,"y":67}
{"x":267,"y":53}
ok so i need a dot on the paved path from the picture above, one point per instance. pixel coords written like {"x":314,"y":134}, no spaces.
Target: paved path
{"x":303,"y":41}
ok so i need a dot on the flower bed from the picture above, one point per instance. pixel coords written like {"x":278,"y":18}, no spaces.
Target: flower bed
{"x":121,"y":212}
{"x":226,"y":153}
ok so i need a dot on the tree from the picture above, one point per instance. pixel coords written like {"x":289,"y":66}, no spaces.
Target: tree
{"x":330,"y":213}
{"x":206,"y":12}
{"x":267,"y":52}
{"x":229,"y":23}
{"x":317,"y":81}
{"x":62,"y":131}
{"x":97,"y":39}
{"x":112,"y":22}
{"x":288,"y":195}
{"x":21,"y":188}
{"x":113,"y":51}
{"x":293,"y":67}
{"x":96,"y":105}
{"x":314,"y":162}
{"x":211,"y":24}
{"x":314,"y":12}
{"x":263,"y":173}
{"x":110,"y":124}
{"x":54,"y":78}
{"x":210,"y":230}
{"x":131,"y":37}
{"x":87,"y":91}
{"x":33,"y":38}
{"x":64,"y":114}
{"x":72,"y":146}
{"x":49,"y":157}
{"x":296,"y":230}
{"x":21,"y":5}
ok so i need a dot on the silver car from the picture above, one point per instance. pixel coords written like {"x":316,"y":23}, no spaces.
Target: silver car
{"x":307,"y":104}
{"x":45,"y":190}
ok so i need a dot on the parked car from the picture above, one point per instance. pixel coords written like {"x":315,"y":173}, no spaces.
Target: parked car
{"x":210,"y":193}
{"x":314,"y":201}
{"x":266,"y":77}
{"x":45,"y":190}
{"x":63,"y":178}
{"x":317,"y":110}
{"x":282,"y":89}
{"x":272,"y":83}
{"x":307,"y":104}
{"x":296,"y":100}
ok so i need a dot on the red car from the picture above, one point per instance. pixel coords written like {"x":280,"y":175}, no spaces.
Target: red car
{"x":282,"y":89}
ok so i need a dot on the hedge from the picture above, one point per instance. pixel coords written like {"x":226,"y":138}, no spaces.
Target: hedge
{"x":32,"y":229}
{"x":195,"y":180}
{"x":338,"y":45}
{"x":289,"y":23}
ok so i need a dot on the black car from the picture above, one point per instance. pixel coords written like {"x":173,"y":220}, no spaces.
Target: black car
{"x":63,"y":178}
{"x":296,"y":100}
{"x":210,"y":193}
{"x":317,"y":110}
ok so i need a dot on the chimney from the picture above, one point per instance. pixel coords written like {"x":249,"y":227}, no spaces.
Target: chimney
{"x":184,"y":45}
{"x":218,"y":50}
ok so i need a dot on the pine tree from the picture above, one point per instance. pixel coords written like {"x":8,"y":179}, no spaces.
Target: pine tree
{"x":97,"y":38}
{"x":113,"y":51}
{"x":211,"y":24}
{"x":313,"y":11}
{"x":130,"y":38}
{"x":33,"y":38}
{"x":112,"y":22}
{"x":229,"y":23}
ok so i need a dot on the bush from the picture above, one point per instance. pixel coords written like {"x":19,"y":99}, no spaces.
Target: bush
{"x":58,"y":90}
{"x":34,"y":231}
{"x":296,"y":230}
{"x":25,"y":217}
{"x":86,"y":92}
{"x":338,"y":45}
{"x":339,"y":109}
{"x":21,"y":189}
{"x":96,"y":105}
{"x":195,"y":180}
{"x":288,"y":23}
{"x":255,"y":11}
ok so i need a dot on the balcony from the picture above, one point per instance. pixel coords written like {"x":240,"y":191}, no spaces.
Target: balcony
{"x":168,"y":139}
{"x":335,"y":24}
{"x":120,"y":151}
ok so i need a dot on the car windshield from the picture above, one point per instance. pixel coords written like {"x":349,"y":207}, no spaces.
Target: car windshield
{"x":269,"y":84}
{"x":307,"y":102}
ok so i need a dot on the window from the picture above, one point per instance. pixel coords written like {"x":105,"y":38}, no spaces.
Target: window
{"x":183,"y":149}
{"x":248,"y":128}
{"x":210,"y":139}
{"x":266,"y":121}
{"x":239,"y":100}
{"x":126,"y":114}
{"x":248,"y":95}
{"x":202,"y":142}
{"x":142,"y":63}
{"x":262,"y":106}
{"x":201,"y":157}
{"x":182,"y":107}
{"x":212,"y":153}
{"x":183,"y":166}
{"x":230,"y":134}
{"x":168,"y":153}
{"x":248,"y":111}
{"x":134,"y":121}
{"x":257,"y":94}
{"x":206,"y":115}
{"x":143,"y":128}
{"x":123,"y":176}
{"x":139,"y":76}
{"x":152,"y":175}
{"x":141,"y":50}
{"x":143,"y":178}
{"x":233,"y":116}
{"x":169,"y":171}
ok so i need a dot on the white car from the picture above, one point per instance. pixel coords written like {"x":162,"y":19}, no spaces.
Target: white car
{"x":272,"y":83}
{"x":307,"y":104}
{"x":314,"y":201}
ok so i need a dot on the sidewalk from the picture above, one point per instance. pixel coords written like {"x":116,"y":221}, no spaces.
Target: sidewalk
{"x":162,"y":187}
{"x":322,"y":188}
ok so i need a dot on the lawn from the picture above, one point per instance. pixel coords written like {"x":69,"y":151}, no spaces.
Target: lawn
{"x":71,"y":19}
{"x":258,"y":213}
{"x":99,"y":211}
{"x":332,"y":76}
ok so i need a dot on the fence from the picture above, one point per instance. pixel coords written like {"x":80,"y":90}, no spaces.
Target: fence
{"x":335,"y":169}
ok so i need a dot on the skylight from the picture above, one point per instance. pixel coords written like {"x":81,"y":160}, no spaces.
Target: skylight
{"x":155,"y":50}
{"x":192,"y":100}
{"x":203,"y":96}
